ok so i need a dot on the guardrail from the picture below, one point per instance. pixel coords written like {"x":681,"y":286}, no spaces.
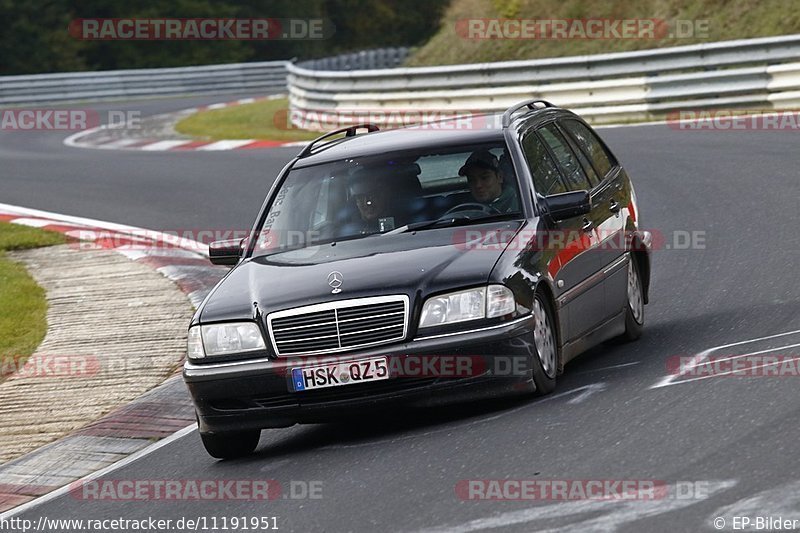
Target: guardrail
{"x":113,"y":84}
{"x":363,"y":60}
{"x":643,"y":85}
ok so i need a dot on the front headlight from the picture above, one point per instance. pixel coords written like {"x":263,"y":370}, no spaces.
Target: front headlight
{"x":224,"y":339}
{"x":484,"y":302}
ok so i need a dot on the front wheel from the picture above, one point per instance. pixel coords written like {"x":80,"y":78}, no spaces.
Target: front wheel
{"x":544,"y":364}
{"x":634,"y":311}
{"x":230,"y":445}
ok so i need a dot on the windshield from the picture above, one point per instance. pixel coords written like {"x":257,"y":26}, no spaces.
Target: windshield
{"x":361,"y":197}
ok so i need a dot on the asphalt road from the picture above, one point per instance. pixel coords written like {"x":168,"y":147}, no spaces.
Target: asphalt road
{"x":735,"y":438}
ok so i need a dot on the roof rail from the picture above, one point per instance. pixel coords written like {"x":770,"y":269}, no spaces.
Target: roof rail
{"x":349,"y":131}
{"x":530,"y":104}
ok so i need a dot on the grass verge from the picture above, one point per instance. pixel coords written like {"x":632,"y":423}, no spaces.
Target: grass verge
{"x":262,"y":120}
{"x":23,"y":306}
{"x":700,"y":21}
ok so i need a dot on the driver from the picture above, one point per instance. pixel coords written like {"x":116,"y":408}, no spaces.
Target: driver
{"x":372,"y":193}
{"x":485,"y":181}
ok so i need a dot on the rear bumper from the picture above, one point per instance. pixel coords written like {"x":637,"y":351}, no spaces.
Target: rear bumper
{"x":257,"y":394}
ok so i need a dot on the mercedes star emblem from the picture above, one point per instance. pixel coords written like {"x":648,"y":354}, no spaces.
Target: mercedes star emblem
{"x":335,"y":281}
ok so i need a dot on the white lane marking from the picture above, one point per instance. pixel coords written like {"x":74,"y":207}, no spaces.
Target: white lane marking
{"x":39,"y":222}
{"x":783,"y":501}
{"x":587,"y":392}
{"x":246,"y":101}
{"x":225,"y":145}
{"x":757,"y":339}
{"x":615,"y":513}
{"x":217,"y":106}
{"x":90,"y":223}
{"x":734,"y":372}
{"x":100,"y":473}
{"x":612,"y":367}
{"x":670,"y":379}
{"x":593,"y":387}
{"x":760,"y":352}
{"x":73,"y":140}
{"x":119,"y":143}
{"x":164,"y":145}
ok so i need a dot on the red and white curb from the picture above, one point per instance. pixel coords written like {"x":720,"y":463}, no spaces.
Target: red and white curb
{"x":184,"y":261}
{"x":90,"y":139}
{"x":125,"y":434}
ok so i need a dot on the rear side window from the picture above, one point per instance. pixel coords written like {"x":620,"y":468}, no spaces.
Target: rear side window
{"x":591,"y":145}
{"x":546,"y":179}
{"x":573,"y":172}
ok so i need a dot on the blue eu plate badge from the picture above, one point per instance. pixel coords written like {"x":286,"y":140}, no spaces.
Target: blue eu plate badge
{"x":297,"y":378}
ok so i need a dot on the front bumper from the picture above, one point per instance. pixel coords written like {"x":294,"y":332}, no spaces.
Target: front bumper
{"x":256,"y":394}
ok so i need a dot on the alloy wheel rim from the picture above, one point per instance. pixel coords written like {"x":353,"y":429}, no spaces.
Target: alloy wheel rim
{"x":544,"y":339}
{"x":635,"y":293}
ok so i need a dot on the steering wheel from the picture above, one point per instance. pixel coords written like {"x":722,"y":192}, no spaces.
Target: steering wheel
{"x":470,"y":207}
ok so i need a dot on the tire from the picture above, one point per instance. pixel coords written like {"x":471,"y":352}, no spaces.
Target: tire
{"x":634,"y":311}
{"x":545,"y":360}
{"x":230,"y":445}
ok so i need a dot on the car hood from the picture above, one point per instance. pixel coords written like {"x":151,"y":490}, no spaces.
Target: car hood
{"x":414,"y":264}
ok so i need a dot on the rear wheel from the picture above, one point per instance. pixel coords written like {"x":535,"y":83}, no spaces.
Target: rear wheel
{"x":634,"y":312}
{"x":230,"y":445}
{"x":544,"y":364}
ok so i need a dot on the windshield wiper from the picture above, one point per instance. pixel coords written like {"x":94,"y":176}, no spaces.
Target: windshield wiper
{"x":449,"y":222}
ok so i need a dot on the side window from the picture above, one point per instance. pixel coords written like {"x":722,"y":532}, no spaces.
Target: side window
{"x":573,"y":172}
{"x":546,"y":179}
{"x":585,"y":164}
{"x":591,"y":145}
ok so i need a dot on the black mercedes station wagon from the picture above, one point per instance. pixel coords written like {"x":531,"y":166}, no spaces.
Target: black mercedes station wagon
{"x":419,"y":265}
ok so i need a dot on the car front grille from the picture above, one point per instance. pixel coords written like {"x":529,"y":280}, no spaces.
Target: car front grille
{"x":339,"y":326}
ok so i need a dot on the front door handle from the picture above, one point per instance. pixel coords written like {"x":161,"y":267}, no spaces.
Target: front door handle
{"x":587,"y":225}
{"x":614,"y":207}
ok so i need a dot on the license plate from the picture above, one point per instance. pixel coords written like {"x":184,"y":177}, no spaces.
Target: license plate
{"x":337,"y":374}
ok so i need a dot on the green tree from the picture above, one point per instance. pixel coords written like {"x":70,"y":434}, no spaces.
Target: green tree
{"x":36,"y":37}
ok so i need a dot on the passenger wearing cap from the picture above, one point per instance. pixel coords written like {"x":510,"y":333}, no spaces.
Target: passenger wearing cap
{"x":486,"y":182}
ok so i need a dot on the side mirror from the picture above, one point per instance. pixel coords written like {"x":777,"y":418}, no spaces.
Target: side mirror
{"x":568,"y":205}
{"x":225,"y":252}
